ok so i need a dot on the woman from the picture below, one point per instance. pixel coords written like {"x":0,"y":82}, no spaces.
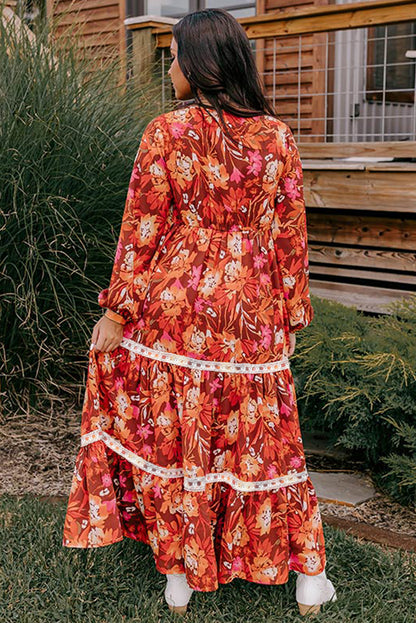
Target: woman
{"x":190,"y":438}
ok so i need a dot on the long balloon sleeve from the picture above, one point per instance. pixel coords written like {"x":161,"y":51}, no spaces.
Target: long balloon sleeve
{"x":145,"y":221}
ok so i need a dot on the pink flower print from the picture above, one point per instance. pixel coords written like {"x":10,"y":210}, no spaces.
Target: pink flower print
{"x":196,"y":275}
{"x":118,"y":251}
{"x":284,"y":409}
{"x":111,"y":505}
{"x":122,"y":479}
{"x":248,"y":245}
{"x":291,"y":188}
{"x":199,"y":305}
{"x":271,"y":471}
{"x":266,"y":337}
{"x":177,"y":129}
{"x":264,"y":279}
{"x":144,"y":431}
{"x":119,"y":383}
{"x":236,"y":176}
{"x":129,"y":496}
{"x":237,"y":564}
{"x":259,"y":260}
{"x":295,"y":461}
{"x":255,"y":162}
{"x":147,"y":450}
{"x":157,"y":491}
{"x":106,"y":480}
{"x":216,"y":384}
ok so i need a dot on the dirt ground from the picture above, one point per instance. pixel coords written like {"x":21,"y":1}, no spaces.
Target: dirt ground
{"x":39,"y":459}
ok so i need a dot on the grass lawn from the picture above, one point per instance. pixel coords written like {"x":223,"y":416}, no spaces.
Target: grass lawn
{"x":41,"y":581}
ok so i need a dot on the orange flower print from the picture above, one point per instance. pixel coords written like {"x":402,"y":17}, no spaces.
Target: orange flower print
{"x":195,"y":339}
{"x":180,"y":168}
{"x":171,"y":300}
{"x":264,"y":517}
{"x":194,"y":558}
{"x":147,"y":230}
{"x":216,"y":172}
{"x":249,"y":465}
{"x":311,"y":561}
{"x":231,"y":430}
{"x":210,"y":282}
{"x":270,"y":175}
{"x":263,"y":570}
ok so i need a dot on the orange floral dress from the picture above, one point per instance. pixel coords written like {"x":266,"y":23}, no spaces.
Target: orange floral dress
{"x":190,"y":438}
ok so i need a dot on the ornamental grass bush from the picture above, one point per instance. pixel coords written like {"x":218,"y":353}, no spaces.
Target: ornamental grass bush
{"x":356,"y":381}
{"x":68,"y":138}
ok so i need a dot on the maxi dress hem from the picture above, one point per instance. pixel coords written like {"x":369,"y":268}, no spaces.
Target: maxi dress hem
{"x":215,"y":526}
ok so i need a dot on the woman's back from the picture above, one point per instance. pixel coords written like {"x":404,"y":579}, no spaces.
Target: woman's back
{"x":210,"y":215}
{"x":218,"y":183}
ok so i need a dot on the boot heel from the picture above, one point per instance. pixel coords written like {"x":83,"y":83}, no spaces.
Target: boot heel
{"x":178,"y":609}
{"x":308,"y":609}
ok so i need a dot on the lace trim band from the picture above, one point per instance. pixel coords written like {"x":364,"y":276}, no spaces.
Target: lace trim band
{"x":194,"y":483}
{"x":202,"y":364}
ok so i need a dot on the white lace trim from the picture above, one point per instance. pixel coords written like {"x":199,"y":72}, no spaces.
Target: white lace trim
{"x":202,"y":364}
{"x":194,"y":483}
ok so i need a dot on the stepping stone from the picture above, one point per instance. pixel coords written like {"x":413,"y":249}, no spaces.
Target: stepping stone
{"x":341,"y":488}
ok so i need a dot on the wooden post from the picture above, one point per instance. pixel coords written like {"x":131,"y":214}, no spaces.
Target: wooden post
{"x":144,"y":45}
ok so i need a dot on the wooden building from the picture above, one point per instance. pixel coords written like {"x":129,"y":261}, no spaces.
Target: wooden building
{"x":354,"y":122}
{"x":98,"y":23}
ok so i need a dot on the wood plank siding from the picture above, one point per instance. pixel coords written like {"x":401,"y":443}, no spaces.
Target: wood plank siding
{"x":98,"y":24}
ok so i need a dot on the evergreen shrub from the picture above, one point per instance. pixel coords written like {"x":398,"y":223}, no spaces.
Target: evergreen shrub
{"x":356,"y":381}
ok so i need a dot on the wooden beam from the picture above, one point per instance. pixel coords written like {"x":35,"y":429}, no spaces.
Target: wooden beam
{"x":361,"y":190}
{"x":366,"y":298}
{"x":404,"y":261}
{"x":326,"y":18}
{"x":342,"y":272}
{"x":377,"y":232}
{"x":393,"y":149}
{"x":62,"y":6}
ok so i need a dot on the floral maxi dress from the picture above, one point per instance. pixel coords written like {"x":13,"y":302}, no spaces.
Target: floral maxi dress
{"x":190,"y":438}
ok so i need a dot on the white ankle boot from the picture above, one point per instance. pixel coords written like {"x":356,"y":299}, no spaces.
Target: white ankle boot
{"x":177,"y":592}
{"x":312,"y":591}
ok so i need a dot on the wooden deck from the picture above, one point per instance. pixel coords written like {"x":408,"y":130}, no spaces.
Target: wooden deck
{"x":362,"y":230}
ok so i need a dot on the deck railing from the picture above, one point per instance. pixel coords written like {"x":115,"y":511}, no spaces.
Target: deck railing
{"x":342,"y":73}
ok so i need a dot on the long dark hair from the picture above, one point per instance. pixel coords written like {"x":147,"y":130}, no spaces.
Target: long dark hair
{"x":215,"y":56}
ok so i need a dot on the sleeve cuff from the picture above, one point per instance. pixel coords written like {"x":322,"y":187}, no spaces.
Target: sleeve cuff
{"x":112,"y":315}
{"x":115,"y":317}
{"x":301,"y":316}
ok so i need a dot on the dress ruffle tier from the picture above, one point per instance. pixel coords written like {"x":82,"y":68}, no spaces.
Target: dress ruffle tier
{"x":206,"y":466}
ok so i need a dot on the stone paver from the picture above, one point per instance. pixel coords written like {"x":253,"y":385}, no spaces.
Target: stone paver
{"x":341,"y":487}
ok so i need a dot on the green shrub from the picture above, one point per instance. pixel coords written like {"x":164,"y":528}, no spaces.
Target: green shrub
{"x":68,"y":139}
{"x":356,"y":380}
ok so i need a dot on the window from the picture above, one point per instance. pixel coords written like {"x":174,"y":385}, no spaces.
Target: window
{"x":179,"y":8}
{"x":388,"y":69}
